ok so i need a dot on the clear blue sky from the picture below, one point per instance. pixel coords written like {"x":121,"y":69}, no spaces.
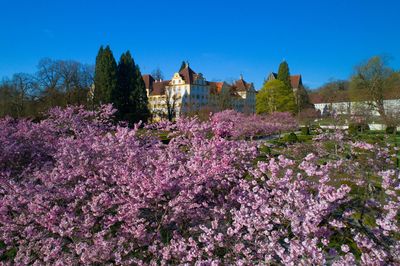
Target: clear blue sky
{"x":319,"y":39}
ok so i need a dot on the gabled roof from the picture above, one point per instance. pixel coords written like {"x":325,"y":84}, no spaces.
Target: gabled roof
{"x":188,"y":75}
{"x":215,"y":87}
{"x":296,"y":81}
{"x":275,"y":75}
{"x":242,"y":85}
{"x":155,"y":87}
{"x":148,"y":81}
{"x":159,"y":87}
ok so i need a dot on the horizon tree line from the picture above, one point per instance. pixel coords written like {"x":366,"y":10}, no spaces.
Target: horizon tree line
{"x":55,"y":83}
{"x":68,"y":82}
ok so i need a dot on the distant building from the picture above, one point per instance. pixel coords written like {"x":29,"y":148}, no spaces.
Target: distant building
{"x":295,"y":80}
{"x":342,"y":105}
{"x":189,"y":92}
{"x":299,"y":91}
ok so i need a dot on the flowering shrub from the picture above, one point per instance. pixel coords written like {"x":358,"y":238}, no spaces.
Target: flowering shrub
{"x":238,"y":125}
{"x":77,"y":190}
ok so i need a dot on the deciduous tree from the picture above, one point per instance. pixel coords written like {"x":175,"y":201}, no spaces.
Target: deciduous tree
{"x":371,"y":81}
{"x":275,"y":96}
{"x":157,"y":74}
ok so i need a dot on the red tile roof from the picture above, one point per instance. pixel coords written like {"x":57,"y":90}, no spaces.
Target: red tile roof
{"x":188,"y":75}
{"x":241,"y":85}
{"x":215,"y":87}
{"x":295,"y":81}
{"x":155,"y":87}
{"x":148,"y":81}
{"x":159,"y":87}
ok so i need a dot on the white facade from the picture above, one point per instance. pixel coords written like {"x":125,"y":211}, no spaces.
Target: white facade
{"x":188,"y":92}
{"x":390,"y":106}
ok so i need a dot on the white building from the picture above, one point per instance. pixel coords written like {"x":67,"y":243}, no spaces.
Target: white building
{"x":189,"y":92}
{"x":390,"y":105}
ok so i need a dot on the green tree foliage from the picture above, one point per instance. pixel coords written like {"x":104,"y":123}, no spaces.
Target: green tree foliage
{"x":130,"y":97}
{"x":126,"y":84}
{"x":140,"y":100}
{"x":284,"y":74}
{"x":275,"y":96}
{"x":105,"y":78}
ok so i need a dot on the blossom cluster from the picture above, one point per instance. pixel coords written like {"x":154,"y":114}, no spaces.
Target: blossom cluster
{"x":76,"y":189}
{"x":238,"y":125}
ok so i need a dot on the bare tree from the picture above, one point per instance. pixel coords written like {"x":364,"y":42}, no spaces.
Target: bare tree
{"x":224,"y":99}
{"x":48,"y":74}
{"x":371,"y":82}
{"x":171,"y":100}
{"x":25,"y":87}
{"x":64,"y":82}
{"x":308,"y":116}
{"x":8,"y":94}
{"x":17,"y":95}
{"x":157,"y":74}
{"x":56,"y":83}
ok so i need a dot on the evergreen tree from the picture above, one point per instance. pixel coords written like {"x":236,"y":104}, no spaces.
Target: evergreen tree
{"x":130,"y":98}
{"x":183,"y":65}
{"x":105,"y":78}
{"x":284,"y":74}
{"x":126,"y":83}
{"x":139,"y":96}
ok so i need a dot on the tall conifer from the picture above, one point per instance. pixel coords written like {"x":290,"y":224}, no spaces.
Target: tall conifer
{"x":284,"y":74}
{"x":130,"y":98}
{"x":105,"y":78}
{"x":142,"y":110}
{"x":126,"y":82}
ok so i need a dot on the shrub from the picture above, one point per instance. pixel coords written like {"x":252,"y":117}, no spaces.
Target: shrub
{"x":390,"y":129}
{"x":316,"y":129}
{"x":305,"y":131}
{"x":291,"y":138}
{"x":355,"y":128}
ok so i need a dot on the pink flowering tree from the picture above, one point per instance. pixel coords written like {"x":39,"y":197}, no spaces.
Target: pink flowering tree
{"x":238,"y":125}
{"x":77,"y":190}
